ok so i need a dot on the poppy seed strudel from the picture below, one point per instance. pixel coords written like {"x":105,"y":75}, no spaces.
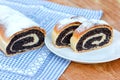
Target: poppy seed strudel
{"x":18,"y":33}
{"x":63,"y":30}
{"x":91,"y":35}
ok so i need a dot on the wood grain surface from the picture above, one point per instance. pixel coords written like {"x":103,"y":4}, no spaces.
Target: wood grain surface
{"x":103,"y":71}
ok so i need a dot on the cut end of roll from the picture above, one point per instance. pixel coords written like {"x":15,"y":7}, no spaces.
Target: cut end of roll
{"x":25,"y":40}
{"x":64,"y":29}
{"x":18,"y":33}
{"x":95,"y":37}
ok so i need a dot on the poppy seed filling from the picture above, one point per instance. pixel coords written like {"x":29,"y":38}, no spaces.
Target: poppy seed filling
{"x":25,"y":41}
{"x":64,"y":37}
{"x":90,"y":42}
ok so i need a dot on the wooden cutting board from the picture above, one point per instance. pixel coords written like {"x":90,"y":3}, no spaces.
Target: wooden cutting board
{"x":103,"y":71}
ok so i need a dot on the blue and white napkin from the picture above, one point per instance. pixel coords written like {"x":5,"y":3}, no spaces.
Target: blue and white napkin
{"x":40,"y":64}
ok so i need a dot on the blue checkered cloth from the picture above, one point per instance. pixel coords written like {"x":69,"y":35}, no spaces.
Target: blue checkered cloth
{"x":40,"y":64}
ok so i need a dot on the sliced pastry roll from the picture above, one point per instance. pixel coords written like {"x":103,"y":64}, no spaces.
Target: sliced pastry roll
{"x":18,"y":33}
{"x":91,"y":35}
{"x":63,"y":30}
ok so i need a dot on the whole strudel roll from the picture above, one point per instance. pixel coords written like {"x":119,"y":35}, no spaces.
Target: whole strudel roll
{"x":91,"y":35}
{"x":18,"y":33}
{"x":63,"y":30}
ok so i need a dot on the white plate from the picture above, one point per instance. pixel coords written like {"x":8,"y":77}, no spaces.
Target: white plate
{"x":106,"y":54}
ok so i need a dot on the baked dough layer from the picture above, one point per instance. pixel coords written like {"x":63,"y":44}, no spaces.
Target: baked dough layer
{"x":18,"y":33}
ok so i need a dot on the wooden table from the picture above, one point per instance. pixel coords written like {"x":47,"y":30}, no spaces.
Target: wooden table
{"x":103,"y":71}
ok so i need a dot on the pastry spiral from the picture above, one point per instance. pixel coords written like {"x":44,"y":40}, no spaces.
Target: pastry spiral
{"x":91,"y":35}
{"x":63,"y":30}
{"x":18,"y":33}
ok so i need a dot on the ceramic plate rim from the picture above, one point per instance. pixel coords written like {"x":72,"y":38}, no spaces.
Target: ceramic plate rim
{"x":55,"y":50}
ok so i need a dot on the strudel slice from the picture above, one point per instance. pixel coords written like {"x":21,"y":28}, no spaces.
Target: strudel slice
{"x":91,"y":35}
{"x":18,"y":33}
{"x":63,"y":30}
